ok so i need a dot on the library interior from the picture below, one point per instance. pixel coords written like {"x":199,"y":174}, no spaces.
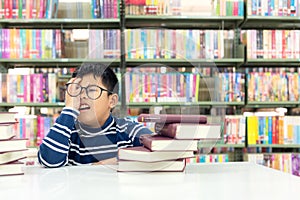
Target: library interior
{"x":121,"y":95}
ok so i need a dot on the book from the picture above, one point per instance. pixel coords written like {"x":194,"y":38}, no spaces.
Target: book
{"x":144,"y":154}
{"x":14,"y":168}
{"x":189,"y":131}
{"x":7,"y":131}
{"x":7,"y":117}
{"x":12,"y":156}
{"x":161,"y":143}
{"x":172,"y":118}
{"x":12,"y":145}
{"x":162,"y":166}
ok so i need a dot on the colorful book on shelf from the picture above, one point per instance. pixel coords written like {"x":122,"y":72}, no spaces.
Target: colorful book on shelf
{"x":12,"y":145}
{"x":162,"y":143}
{"x":13,"y":168}
{"x":144,"y":154}
{"x":172,"y":118}
{"x":161,"y":166}
{"x":12,"y":156}
{"x":189,"y":131}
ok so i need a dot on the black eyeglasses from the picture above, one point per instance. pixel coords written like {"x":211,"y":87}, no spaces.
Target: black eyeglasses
{"x":92,"y":91}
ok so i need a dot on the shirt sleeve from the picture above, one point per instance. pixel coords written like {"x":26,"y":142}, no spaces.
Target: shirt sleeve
{"x":54,"y":150}
{"x":135,"y":131}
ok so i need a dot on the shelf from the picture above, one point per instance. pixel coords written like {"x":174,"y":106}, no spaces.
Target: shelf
{"x":185,"y":62}
{"x":43,"y":104}
{"x":221,"y":145}
{"x":183,"y":104}
{"x":270,"y":22}
{"x":183,"y":22}
{"x":60,"y":23}
{"x":275,"y":145}
{"x":59,"y":61}
{"x":271,"y":62}
{"x":270,"y":104}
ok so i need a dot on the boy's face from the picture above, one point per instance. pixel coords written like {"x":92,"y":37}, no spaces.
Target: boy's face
{"x":94,"y":113}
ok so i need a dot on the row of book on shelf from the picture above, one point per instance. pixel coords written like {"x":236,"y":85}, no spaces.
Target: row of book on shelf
{"x":286,"y":162}
{"x":57,"y":43}
{"x":184,"y":87}
{"x":162,"y":87}
{"x":141,"y":87}
{"x":179,"y":44}
{"x":28,"y":9}
{"x":272,"y":43}
{"x":273,"y":86}
{"x":185,"y":8}
{"x":50,"y":9}
{"x":273,"y":8}
{"x":146,"y":43}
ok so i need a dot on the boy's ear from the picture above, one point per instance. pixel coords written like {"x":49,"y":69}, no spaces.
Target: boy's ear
{"x":114,"y":98}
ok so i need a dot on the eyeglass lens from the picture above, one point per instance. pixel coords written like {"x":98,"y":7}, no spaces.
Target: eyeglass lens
{"x":92,"y":91}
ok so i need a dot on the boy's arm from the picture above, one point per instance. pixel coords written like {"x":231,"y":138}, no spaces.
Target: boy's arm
{"x":54,"y":150}
{"x":135,"y":132}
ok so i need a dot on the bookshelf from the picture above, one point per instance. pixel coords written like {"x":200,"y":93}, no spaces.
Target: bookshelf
{"x":281,"y":21}
{"x":238,"y":62}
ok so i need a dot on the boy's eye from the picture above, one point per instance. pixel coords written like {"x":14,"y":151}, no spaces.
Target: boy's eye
{"x":93,"y":89}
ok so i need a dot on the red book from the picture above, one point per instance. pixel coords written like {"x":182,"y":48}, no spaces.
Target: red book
{"x":189,"y":131}
{"x":172,"y":118}
{"x":161,"y":143}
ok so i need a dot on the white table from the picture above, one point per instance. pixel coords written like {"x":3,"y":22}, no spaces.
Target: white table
{"x":199,"y":181}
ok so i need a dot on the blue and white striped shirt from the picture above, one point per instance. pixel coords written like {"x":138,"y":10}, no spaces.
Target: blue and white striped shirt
{"x":71,"y":143}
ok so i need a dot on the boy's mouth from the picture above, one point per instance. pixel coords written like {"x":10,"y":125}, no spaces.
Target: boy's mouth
{"x":84,"y":107}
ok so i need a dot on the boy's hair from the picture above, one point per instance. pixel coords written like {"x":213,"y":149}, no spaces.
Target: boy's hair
{"x":107,"y":75}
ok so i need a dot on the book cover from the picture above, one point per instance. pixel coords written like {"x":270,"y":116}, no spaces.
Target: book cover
{"x":189,"y":131}
{"x":162,"y":166}
{"x":172,"y":118}
{"x":144,"y":154}
{"x":161,"y":143}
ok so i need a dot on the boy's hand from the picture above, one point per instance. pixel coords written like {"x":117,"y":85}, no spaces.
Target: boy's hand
{"x":73,"y":102}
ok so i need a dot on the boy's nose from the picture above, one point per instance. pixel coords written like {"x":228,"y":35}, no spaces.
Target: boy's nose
{"x":83,"y":93}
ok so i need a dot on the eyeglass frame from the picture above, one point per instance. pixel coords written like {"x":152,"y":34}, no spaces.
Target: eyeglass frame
{"x":86,"y":91}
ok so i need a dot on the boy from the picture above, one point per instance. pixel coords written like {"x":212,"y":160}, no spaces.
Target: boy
{"x":86,"y":132}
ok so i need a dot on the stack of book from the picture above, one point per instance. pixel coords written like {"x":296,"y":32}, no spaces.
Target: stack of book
{"x":176,"y":138}
{"x":11,"y":148}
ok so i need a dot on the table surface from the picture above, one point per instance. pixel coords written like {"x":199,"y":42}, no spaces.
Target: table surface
{"x":198,"y":181}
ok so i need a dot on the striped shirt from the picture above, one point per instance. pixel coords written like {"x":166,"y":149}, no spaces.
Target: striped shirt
{"x":71,"y":143}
